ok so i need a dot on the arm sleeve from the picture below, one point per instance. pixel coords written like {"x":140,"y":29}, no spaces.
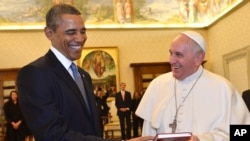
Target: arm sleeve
{"x":147,"y":130}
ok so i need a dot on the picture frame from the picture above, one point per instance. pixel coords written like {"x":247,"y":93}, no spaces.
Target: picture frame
{"x":102,"y":63}
{"x":108,"y":14}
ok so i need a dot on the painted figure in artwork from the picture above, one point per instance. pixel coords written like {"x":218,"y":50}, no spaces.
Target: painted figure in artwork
{"x":128,"y":11}
{"x":98,"y":64}
{"x":120,"y":11}
{"x":188,"y":10}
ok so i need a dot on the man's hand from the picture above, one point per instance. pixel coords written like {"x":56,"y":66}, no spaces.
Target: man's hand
{"x":124,"y":109}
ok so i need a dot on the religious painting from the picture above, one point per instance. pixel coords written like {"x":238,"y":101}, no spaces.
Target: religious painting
{"x":102,"y":65}
{"x":26,"y":14}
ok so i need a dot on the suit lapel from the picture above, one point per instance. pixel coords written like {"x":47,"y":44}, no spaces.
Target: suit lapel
{"x":62,"y":73}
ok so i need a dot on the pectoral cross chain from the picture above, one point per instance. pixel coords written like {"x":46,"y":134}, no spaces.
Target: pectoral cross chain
{"x":173,"y":126}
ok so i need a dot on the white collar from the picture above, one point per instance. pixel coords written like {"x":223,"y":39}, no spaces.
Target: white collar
{"x":65,"y":61}
{"x":192,"y":77}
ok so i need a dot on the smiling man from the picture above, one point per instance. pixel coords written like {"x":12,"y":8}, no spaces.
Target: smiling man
{"x":56,"y":97}
{"x":191,"y":98}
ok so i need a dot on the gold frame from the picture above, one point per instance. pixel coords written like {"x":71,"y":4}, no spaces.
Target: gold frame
{"x":106,"y":14}
{"x":104,"y":72}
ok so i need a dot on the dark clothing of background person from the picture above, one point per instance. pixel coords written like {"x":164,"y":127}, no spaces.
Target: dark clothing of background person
{"x":103,"y":109}
{"x":124,"y":116}
{"x":102,"y":106}
{"x":111,"y":91}
{"x":246,"y":98}
{"x":13,"y":114}
{"x":137,"y":121}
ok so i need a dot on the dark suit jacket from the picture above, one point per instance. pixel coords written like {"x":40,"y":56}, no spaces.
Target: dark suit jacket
{"x":119,"y":103}
{"x":52,"y":103}
{"x":246,"y":98}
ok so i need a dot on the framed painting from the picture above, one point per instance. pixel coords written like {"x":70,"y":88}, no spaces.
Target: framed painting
{"x":26,"y":14}
{"x":102,"y":65}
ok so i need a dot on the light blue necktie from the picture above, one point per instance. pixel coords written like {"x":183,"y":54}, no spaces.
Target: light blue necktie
{"x":79,"y":82}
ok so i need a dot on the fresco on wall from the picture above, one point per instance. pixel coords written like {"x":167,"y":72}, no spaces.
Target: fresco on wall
{"x":119,"y":13}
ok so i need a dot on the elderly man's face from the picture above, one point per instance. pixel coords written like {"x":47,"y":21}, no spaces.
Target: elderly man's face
{"x":183,"y":58}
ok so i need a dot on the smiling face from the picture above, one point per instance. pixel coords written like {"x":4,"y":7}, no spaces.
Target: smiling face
{"x":185,"y":57}
{"x":69,"y":37}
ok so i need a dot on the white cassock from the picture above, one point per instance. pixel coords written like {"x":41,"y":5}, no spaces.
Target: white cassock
{"x":209,"y":109}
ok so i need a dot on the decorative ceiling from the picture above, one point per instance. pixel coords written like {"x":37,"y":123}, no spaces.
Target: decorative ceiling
{"x":26,"y":14}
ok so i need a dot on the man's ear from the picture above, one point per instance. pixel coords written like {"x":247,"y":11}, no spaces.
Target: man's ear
{"x":200,"y":58}
{"x":48,"y":33}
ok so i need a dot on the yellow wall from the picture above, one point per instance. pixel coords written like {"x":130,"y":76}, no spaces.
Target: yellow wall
{"x":231,"y":33}
{"x":135,"y":45}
